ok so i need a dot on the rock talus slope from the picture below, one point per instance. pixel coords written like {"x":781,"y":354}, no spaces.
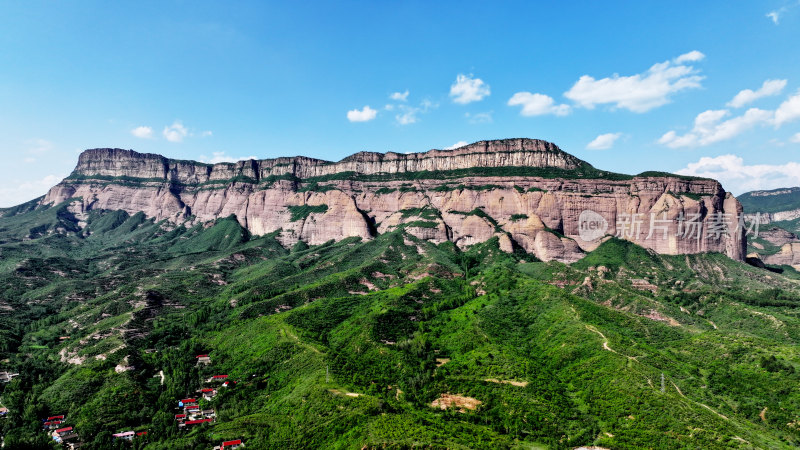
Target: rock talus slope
{"x":528,"y":193}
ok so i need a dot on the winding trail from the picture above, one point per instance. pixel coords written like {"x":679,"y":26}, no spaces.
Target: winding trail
{"x":698,"y":403}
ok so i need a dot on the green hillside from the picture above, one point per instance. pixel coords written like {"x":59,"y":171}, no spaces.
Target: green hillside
{"x":776,"y":200}
{"x":349,"y":344}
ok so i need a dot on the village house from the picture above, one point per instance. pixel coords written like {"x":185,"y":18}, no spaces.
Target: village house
{"x":208,"y":393}
{"x":217,"y":378}
{"x":195,"y":422}
{"x":6,"y":377}
{"x":125,"y":435}
{"x":230,"y":444}
{"x":62,"y":435}
{"x":203,"y":359}
{"x":52,"y":424}
{"x":187,"y":402}
{"x":3,"y":411}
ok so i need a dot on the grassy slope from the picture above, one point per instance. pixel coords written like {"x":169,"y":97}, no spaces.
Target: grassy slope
{"x":771,"y":203}
{"x":299,"y":330}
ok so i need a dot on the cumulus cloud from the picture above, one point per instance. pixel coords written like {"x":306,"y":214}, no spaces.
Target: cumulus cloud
{"x":410,"y":114}
{"x":692,"y":56}
{"x":27,"y":190}
{"x":788,"y":110}
{"x":175,"y":132}
{"x":364,"y":114}
{"x":641,"y":92}
{"x":467,"y":89}
{"x":795,"y":138}
{"x":709,"y":127}
{"x":142,"y":132}
{"x":456,"y":145}
{"x":770,"y":87}
{"x":399,"y":96}
{"x":603,"y":141}
{"x":220,"y":157}
{"x":738,"y":177}
{"x":537,"y":104}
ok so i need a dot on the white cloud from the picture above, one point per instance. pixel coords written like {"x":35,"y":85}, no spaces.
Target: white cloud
{"x":142,"y":132}
{"x":220,"y":157}
{"x":467,"y":89}
{"x":363,"y":115}
{"x":641,"y":92}
{"x":692,"y":56}
{"x":770,"y":87}
{"x":603,"y":141}
{"x":408,"y":117}
{"x":28,"y":190}
{"x":207,"y":133}
{"x":409,"y":114}
{"x":788,"y":110}
{"x":709,"y":128}
{"x":457,"y":145}
{"x":537,"y":104}
{"x":795,"y":138}
{"x":774,"y":16}
{"x":738,"y":177}
{"x":399,"y":96}
{"x":175,"y":132}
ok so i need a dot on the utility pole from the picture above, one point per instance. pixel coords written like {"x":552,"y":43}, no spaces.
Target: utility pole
{"x":662,"y":381}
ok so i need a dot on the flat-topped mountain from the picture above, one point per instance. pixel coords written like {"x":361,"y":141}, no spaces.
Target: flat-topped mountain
{"x":528,"y":193}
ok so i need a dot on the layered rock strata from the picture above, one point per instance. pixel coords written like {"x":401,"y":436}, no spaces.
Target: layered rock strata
{"x":528,"y":193}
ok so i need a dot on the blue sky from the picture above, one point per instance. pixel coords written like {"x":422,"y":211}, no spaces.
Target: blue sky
{"x":629,"y":86}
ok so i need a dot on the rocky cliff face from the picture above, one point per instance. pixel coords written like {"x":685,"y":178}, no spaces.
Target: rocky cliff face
{"x":528,"y":193}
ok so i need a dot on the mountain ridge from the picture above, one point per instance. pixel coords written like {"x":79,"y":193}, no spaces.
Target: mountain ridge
{"x":529,"y":193}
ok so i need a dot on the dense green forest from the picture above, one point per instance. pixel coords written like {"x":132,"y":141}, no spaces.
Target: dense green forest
{"x":391,"y":343}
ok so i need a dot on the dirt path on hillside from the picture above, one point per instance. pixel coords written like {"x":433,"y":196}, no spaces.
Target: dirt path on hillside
{"x":605,"y":339}
{"x":698,"y":403}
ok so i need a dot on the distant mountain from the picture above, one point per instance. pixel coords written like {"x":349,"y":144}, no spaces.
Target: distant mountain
{"x":778,"y":212}
{"x":772,"y":201}
{"x":526,"y":192}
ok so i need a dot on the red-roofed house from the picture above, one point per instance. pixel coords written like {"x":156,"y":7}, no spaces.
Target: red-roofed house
{"x":232,"y":444}
{"x":55,"y":417}
{"x":208,"y":393}
{"x":203,"y":359}
{"x":126,"y":435}
{"x":198,"y":421}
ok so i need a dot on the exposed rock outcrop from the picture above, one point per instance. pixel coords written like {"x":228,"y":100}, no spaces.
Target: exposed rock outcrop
{"x":789,"y":255}
{"x":528,"y":193}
